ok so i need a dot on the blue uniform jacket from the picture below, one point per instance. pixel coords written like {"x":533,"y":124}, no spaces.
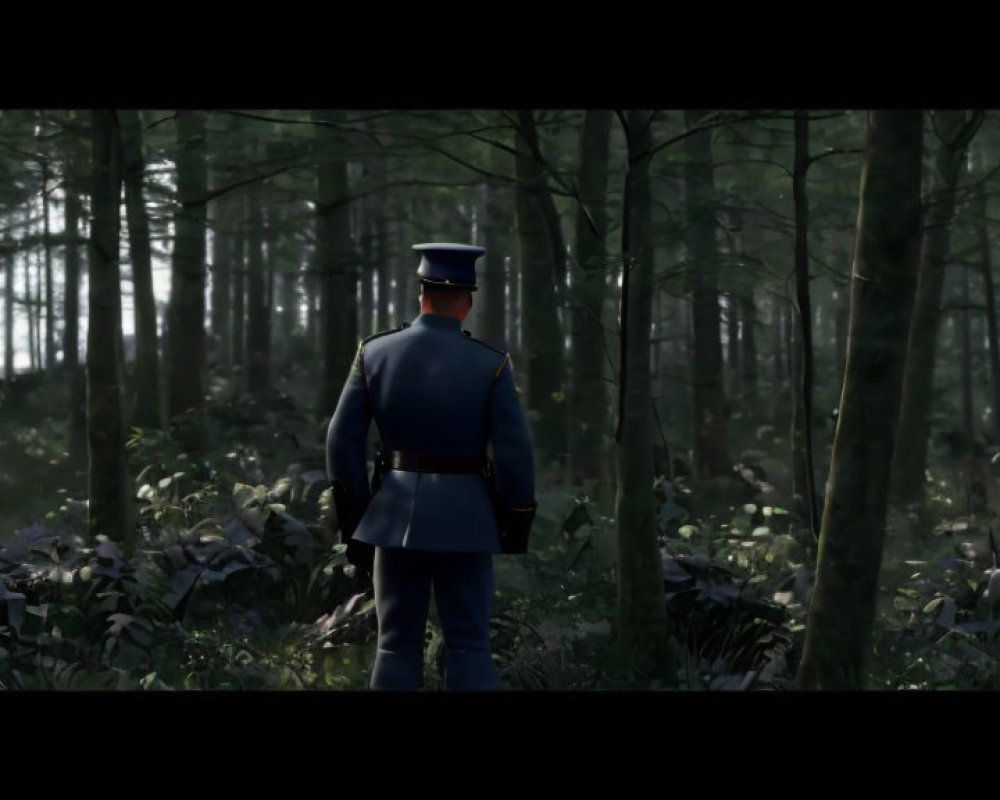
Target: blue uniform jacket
{"x":431,"y":389}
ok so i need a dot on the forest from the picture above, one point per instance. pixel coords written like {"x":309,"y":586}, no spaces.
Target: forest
{"x":758,"y":350}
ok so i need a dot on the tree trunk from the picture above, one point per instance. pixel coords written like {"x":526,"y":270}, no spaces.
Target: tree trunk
{"x":803,"y":476}
{"x":497,"y":228}
{"x":238,"y":262}
{"x":914,"y":420}
{"x":338,"y":276}
{"x":186,"y":353}
{"x":641,"y":612}
{"x":965,"y":335}
{"x":733,"y":367}
{"x":258,"y":313}
{"x":29,"y":307}
{"x":8,"y":309}
{"x":108,"y":482}
{"x":589,"y":392}
{"x":50,"y":317}
{"x":986,"y":265}
{"x":148,"y":403}
{"x":749,"y":313}
{"x":222,"y":247}
{"x":542,"y":344}
{"x":71,"y":313}
{"x":838,"y":633}
{"x":710,"y":456}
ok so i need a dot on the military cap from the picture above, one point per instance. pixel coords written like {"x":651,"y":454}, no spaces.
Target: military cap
{"x":446,"y":264}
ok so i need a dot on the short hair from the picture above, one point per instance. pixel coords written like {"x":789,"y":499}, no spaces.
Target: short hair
{"x":444,"y":298}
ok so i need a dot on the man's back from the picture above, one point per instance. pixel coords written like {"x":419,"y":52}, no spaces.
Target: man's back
{"x":434,"y":392}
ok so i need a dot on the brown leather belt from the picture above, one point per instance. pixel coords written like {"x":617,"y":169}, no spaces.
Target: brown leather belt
{"x":409,"y":461}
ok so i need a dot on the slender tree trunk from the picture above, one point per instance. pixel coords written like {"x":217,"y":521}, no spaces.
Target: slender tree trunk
{"x":803,"y":476}
{"x":965,"y":336}
{"x":986,"y":265}
{"x":50,"y":317}
{"x":71,"y":312}
{"x":8,"y":309}
{"x":641,"y":612}
{"x":589,"y":396}
{"x":108,"y":489}
{"x":29,"y":306}
{"x":954,"y":132}
{"x":710,"y":456}
{"x":337,"y":272}
{"x":222,"y":247}
{"x":542,"y":344}
{"x":733,"y":365}
{"x":838,"y":632}
{"x":497,"y":229}
{"x":749,"y":313}
{"x":258,"y":313}
{"x":148,"y":402}
{"x":186,"y":354}
{"x":238,"y":261}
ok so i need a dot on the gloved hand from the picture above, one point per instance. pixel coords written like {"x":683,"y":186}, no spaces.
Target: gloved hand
{"x":362,"y":556}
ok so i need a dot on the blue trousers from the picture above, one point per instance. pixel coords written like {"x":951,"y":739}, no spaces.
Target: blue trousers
{"x":463,"y":591}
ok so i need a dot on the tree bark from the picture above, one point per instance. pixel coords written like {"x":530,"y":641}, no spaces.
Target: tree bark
{"x":71,"y":314}
{"x":589,"y":390}
{"x":186,"y":329}
{"x":107,"y":487}
{"x":986,"y":266}
{"x":838,"y":632}
{"x":238,"y":261}
{"x":965,"y":336}
{"x":222,"y":248}
{"x":148,"y":400}
{"x":749,"y":313}
{"x":910,"y":459}
{"x":641,"y":612}
{"x":710,"y":455}
{"x":497,"y":229}
{"x":803,"y":475}
{"x":542,"y":345}
{"x":50,"y":317}
{"x":8,"y":309}
{"x":338,"y":275}
{"x":258,"y":313}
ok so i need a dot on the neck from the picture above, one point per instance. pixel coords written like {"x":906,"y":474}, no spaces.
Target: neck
{"x":425,"y":308}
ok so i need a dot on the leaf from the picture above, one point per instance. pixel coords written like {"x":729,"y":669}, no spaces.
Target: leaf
{"x":933,"y":605}
{"x":687,"y":531}
{"x":164,"y":483}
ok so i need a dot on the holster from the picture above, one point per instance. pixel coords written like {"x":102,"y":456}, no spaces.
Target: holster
{"x":513,"y":522}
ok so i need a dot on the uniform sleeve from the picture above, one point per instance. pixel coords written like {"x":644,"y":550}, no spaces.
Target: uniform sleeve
{"x":347,"y":435}
{"x":513,"y":457}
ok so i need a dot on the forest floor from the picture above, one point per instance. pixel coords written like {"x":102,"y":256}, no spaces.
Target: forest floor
{"x":238,"y":585}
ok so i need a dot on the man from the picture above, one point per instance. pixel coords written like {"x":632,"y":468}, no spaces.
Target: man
{"x":438,"y":397}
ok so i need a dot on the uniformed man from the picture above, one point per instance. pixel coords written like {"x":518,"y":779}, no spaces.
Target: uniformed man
{"x":439,"y":397}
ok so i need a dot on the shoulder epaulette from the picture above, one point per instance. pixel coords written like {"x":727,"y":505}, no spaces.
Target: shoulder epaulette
{"x":468,"y":335}
{"x":385,"y":333}
{"x":359,"y":360}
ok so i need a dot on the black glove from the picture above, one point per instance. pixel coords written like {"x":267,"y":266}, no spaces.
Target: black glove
{"x":349,"y":513}
{"x":515,"y":526}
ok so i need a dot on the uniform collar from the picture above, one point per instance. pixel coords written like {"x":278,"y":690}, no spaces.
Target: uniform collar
{"x":438,"y":321}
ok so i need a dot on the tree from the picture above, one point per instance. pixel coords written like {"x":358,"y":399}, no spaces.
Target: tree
{"x":148,"y":405}
{"x":587,"y":402}
{"x":335,"y":265}
{"x":186,"y":329}
{"x":804,"y":479}
{"x":710,"y":456}
{"x":842,"y":612}
{"x":953,"y":131}
{"x":108,"y":481}
{"x":641,"y":612}
{"x":542,"y":344}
